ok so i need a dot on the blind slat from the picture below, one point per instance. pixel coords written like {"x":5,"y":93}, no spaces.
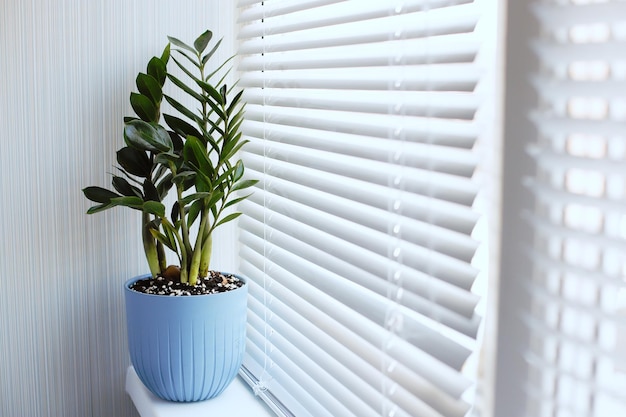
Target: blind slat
{"x":362,"y":118}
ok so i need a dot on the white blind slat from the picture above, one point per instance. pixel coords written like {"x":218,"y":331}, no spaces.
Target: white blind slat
{"x":362,"y":118}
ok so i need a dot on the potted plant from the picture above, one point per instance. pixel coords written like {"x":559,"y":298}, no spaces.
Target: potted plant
{"x":186,"y":324}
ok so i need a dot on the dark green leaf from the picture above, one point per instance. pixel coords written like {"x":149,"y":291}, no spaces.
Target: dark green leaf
{"x":223,"y":91}
{"x":164,"y":186}
{"x":180,"y":126}
{"x":183,"y":176}
{"x":150,"y":191}
{"x":99,"y":195}
{"x":210,"y":90}
{"x":147,"y":136}
{"x":203,"y":40}
{"x":177,"y":141}
{"x":175,"y":212}
{"x":195,"y":153}
{"x":124,"y":187}
{"x":134,"y":161}
{"x":157,"y":68}
{"x":149,"y":87}
{"x":143,"y":107}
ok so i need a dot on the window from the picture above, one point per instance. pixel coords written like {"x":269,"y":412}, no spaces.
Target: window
{"x":575,"y":180}
{"x":365,"y":119}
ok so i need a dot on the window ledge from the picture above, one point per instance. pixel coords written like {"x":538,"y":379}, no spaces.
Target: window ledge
{"x":236,"y":400}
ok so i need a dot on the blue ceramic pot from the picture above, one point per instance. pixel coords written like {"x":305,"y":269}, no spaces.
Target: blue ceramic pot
{"x":186,"y":348}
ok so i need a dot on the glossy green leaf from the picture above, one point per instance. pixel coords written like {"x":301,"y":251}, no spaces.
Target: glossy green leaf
{"x":134,"y":161}
{"x":149,"y":87}
{"x":147,"y":136}
{"x":157,"y":69}
{"x":99,"y":194}
{"x":180,"y":126}
{"x":195,"y":153}
{"x":144,"y":108}
{"x":211,"y":91}
{"x":202,"y":41}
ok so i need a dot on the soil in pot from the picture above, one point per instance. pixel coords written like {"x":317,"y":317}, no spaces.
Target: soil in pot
{"x":169,"y":284}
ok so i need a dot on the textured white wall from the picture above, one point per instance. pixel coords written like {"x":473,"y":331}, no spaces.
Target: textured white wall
{"x":66,"y":70}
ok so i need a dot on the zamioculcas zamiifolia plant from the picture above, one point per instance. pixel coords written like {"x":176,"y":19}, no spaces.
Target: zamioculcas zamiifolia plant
{"x":193,"y":153}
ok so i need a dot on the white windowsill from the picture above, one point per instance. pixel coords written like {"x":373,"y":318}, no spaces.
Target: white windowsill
{"x":236,"y":400}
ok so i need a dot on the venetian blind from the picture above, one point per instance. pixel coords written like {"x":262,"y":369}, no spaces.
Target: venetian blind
{"x":577,"y":321}
{"x":362,"y":121}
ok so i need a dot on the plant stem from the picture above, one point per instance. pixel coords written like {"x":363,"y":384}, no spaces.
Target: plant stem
{"x":196,"y":257}
{"x":149,"y":246}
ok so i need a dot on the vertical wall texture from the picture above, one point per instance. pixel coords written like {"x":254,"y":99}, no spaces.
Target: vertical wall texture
{"x":66,"y":70}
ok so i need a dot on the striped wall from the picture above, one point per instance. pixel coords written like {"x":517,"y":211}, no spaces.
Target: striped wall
{"x":66,"y":69}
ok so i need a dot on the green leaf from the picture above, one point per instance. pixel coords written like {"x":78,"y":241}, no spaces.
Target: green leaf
{"x":180,"y":44}
{"x":234,"y":102}
{"x":195,"y":153}
{"x":236,"y":200}
{"x":154,"y":207}
{"x":124,"y":187}
{"x":239,"y":168}
{"x":203,"y":40}
{"x":211,"y":91}
{"x":183,"y":110}
{"x":194,"y":196}
{"x":162,"y":238}
{"x":184,"y":68}
{"x":164,"y":186}
{"x":143,"y":107}
{"x":165,"y":56}
{"x":132,"y":202}
{"x":193,"y":212}
{"x":99,"y":208}
{"x":134,"y":161}
{"x":228,"y":218}
{"x":244,"y":184}
{"x":149,"y":87}
{"x":99,"y":194}
{"x":157,"y":68}
{"x":147,"y":136}
{"x":211,"y":52}
{"x":186,"y":88}
{"x":180,"y":126}
{"x":150,"y":191}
